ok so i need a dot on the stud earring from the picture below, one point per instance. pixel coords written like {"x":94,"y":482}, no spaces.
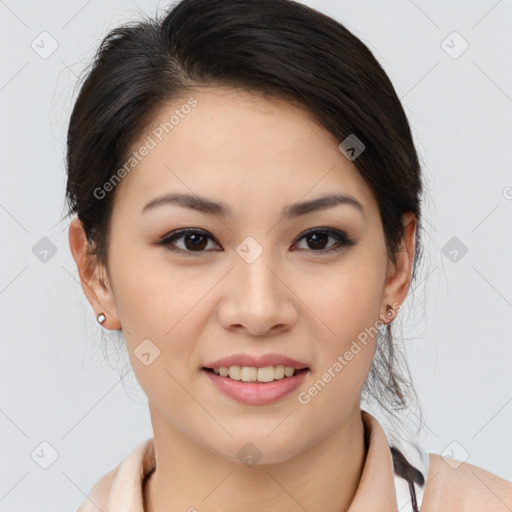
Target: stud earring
{"x":101,"y":318}
{"x":389,"y":313}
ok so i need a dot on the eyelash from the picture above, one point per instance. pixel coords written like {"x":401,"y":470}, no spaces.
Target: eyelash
{"x":343,"y":240}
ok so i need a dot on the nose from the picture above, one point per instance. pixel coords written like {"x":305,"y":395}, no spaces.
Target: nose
{"x":257,"y":297}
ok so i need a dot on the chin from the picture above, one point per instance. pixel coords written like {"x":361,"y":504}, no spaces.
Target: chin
{"x":252,"y":446}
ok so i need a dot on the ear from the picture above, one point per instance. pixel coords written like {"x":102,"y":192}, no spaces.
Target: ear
{"x":93,"y":277}
{"x":399,"y":275}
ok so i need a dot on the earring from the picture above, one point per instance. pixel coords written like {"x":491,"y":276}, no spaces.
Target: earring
{"x":389,"y":312}
{"x":101,"y":318}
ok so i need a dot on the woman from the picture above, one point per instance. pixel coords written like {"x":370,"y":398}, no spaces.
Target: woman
{"x":248,"y":199}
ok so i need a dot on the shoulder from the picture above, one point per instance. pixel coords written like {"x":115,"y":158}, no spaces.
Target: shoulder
{"x":98,"y":496}
{"x":465,"y":488}
{"x":122,"y":486}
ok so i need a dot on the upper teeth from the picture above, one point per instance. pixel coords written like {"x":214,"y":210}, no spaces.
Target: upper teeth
{"x":252,"y":374}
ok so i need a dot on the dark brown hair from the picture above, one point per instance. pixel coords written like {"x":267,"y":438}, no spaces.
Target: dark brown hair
{"x":276,"y":48}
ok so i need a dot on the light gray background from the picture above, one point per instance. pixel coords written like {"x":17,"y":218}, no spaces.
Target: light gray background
{"x":55,"y":384}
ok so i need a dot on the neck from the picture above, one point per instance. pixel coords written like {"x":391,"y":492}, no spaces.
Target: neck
{"x":323,"y":477}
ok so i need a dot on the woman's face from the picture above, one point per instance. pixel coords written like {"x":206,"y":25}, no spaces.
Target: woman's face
{"x":251,"y":281}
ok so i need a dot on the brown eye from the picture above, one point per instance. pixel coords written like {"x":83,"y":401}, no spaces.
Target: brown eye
{"x":193,"y":241}
{"x":317,"y":239}
{"x":196,"y":241}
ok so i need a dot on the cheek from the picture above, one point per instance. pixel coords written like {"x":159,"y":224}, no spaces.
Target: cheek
{"x":346,"y":302}
{"x":159,"y":309}
{"x":155,"y":298}
{"x":347,"y":308}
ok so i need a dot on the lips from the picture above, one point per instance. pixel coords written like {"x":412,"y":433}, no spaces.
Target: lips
{"x":256,"y":361}
{"x":257,"y":393}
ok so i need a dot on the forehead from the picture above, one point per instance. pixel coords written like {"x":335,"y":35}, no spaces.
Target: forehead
{"x":237,"y":146}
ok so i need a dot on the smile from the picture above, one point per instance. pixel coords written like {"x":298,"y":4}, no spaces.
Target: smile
{"x":243,"y":385}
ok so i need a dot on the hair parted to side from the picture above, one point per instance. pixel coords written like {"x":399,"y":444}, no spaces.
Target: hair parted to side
{"x":275,"y":48}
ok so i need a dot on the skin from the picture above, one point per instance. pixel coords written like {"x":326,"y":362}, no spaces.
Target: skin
{"x":257,"y":155}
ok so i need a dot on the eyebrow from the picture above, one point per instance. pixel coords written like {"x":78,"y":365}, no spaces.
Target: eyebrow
{"x":218,"y":208}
